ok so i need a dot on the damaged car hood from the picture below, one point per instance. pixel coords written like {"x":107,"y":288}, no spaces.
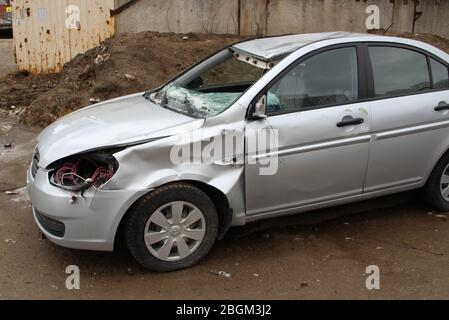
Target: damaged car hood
{"x":126,"y":120}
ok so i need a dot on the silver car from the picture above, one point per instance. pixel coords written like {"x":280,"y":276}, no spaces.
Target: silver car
{"x":314,"y":120}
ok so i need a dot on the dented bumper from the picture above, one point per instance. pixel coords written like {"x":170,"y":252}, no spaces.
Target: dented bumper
{"x":89,"y":222}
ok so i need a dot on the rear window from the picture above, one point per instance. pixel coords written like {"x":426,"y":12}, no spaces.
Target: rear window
{"x":398,"y":71}
{"x":440,"y":74}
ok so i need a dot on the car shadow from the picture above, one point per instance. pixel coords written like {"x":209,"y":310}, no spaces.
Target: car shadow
{"x":244,"y":238}
{"x":332,"y":214}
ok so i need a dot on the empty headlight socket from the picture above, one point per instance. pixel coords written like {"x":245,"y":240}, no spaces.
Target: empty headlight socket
{"x":79,"y":172}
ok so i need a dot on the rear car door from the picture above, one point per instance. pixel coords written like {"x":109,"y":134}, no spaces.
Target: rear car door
{"x":410,"y":121}
{"x":323,"y":133}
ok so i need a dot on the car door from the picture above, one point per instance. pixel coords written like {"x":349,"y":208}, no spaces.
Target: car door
{"x":322,"y":132}
{"x":410,"y":119}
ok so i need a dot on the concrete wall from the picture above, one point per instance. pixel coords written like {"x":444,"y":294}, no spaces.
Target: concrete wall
{"x":180,"y":16}
{"x":435,"y":18}
{"x":7,"y":64}
{"x":270,"y":17}
{"x":43,"y":43}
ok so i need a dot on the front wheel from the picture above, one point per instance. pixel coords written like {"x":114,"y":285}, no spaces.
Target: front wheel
{"x":172,"y":227}
{"x":437,"y":187}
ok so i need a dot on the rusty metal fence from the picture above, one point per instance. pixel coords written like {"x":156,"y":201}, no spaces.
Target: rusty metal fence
{"x":49,"y":33}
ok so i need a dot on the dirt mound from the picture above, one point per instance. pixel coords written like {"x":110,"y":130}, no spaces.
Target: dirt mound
{"x":124,"y":64}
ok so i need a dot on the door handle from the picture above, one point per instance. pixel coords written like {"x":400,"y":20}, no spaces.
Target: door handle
{"x":350,"y":121}
{"x":442,"y":106}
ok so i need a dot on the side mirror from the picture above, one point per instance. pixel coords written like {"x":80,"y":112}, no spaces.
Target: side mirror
{"x":260,"y":108}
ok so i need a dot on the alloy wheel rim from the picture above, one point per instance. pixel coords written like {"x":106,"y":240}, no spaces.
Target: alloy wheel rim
{"x":174,"y":231}
{"x":444,"y":183}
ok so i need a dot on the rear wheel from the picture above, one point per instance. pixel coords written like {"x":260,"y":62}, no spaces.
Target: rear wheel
{"x":437,"y":187}
{"x":172,"y":227}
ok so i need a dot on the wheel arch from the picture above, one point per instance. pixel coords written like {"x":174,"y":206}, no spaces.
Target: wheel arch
{"x":219,"y":199}
{"x":442,"y":154}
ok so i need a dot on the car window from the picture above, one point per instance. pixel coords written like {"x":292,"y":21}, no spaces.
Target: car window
{"x":398,"y":71}
{"x":209,"y":87}
{"x":326,"y":78}
{"x":440,"y":74}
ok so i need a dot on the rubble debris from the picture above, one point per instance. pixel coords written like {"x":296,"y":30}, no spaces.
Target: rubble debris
{"x":16,"y":112}
{"x":4,"y":129}
{"x":21,"y":194}
{"x":441,"y":216}
{"x":129,"y":77}
{"x":11,"y":193}
{"x":102,"y":58}
{"x":438,"y":216}
{"x":221,"y":273}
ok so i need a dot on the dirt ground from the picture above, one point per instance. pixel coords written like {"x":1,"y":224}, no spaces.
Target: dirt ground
{"x":322,"y":254}
{"x":298,"y":257}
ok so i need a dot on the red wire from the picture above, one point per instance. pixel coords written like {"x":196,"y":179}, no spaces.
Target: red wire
{"x":68,"y":174}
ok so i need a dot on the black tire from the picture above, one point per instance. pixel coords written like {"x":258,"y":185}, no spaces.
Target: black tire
{"x":432,"y":190}
{"x":144,"y":208}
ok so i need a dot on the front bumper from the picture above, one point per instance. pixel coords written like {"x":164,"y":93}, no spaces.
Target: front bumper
{"x":90,"y":222}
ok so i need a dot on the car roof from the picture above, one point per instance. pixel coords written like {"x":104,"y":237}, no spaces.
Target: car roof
{"x":273,"y":48}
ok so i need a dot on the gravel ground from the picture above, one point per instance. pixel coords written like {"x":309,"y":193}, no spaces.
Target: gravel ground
{"x":322,"y":254}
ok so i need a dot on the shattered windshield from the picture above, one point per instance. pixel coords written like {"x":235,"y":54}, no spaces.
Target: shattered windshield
{"x":211,"y":87}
